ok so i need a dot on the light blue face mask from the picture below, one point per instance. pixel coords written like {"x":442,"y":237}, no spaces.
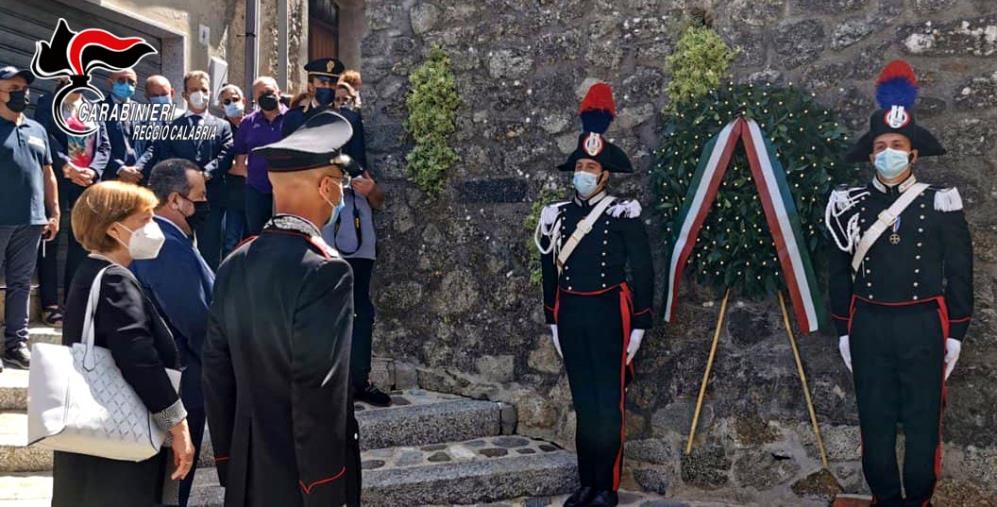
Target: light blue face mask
{"x":123,"y":91}
{"x":891,"y":163}
{"x":234,"y":109}
{"x":162,"y":99}
{"x":585,"y":183}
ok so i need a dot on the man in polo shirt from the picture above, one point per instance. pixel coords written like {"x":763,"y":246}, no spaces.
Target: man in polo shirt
{"x":27,"y":189}
{"x":258,"y":128}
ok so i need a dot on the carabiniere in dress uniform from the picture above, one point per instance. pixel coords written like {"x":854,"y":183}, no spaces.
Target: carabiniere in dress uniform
{"x":901,"y":286}
{"x":597,"y":316}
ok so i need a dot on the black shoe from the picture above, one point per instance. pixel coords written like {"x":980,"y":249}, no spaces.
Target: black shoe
{"x":580,"y":497}
{"x":371,"y":395}
{"x":607,"y":498}
{"x":18,"y":356}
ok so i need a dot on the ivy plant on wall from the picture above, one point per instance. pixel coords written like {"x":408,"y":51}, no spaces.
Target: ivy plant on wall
{"x":432,"y":104}
{"x":698,"y":64}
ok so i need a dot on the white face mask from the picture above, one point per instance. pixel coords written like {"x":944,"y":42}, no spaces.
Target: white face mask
{"x":199,"y":100}
{"x":145,"y":241}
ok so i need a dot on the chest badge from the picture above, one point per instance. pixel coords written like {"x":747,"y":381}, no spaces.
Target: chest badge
{"x":895,"y":237}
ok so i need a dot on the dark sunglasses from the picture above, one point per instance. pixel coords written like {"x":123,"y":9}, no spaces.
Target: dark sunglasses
{"x":230,"y":100}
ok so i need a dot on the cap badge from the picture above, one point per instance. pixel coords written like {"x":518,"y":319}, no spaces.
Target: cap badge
{"x":593,"y":144}
{"x":897,"y":117}
{"x":329,"y":66}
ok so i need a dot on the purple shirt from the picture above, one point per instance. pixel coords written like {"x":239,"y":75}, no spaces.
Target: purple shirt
{"x":255,"y":131}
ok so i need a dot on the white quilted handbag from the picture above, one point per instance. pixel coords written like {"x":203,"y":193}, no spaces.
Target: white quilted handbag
{"x":78,"y":401}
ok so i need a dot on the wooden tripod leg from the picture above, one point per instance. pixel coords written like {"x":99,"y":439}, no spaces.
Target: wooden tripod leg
{"x":706,"y":374}
{"x":803,"y":380}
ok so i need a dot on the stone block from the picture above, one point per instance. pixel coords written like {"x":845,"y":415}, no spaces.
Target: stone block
{"x":962,"y":37}
{"x":495,"y":190}
{"x":799,"y":42}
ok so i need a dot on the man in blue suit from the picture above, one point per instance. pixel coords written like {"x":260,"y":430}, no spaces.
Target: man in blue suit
{"x":123,"y":157}
{"x":180,"y":282}
{"x":210,"y":155}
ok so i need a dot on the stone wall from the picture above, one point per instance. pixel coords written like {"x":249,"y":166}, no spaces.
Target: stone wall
{"x":452,"y":286}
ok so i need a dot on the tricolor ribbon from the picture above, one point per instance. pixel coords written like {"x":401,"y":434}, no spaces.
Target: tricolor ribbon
{"x":780,"y":213}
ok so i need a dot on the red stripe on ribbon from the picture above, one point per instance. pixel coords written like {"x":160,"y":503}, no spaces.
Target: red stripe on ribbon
{"x":704,"y":210}
{"x":768,"y":198}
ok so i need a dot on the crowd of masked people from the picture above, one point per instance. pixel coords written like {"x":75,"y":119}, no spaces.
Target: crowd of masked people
{"x":179,"y":208}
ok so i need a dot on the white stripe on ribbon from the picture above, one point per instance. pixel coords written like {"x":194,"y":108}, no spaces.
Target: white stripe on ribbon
{"x":778,"y":204}
{"x":704,"y":184}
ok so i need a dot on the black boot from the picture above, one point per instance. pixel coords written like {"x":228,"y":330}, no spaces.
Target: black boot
{"x":605,"y":498}
{"x":580,"y":497}
{"x":370,"y":394}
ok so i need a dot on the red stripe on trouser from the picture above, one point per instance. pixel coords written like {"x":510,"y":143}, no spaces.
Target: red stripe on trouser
{"x":626,"y":307}
{"x":943,"y":316}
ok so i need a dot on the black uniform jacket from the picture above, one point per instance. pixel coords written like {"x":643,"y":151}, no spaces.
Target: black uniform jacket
{"x":276,"y":364}
{"x":930,"y":257}
{"x":600,"y":260}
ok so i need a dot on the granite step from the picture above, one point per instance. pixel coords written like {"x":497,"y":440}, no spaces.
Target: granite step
{"x":418,"y":418}
{"x":468,"y":472}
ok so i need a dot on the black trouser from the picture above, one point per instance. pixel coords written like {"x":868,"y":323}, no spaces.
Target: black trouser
{"x":195,"y":420}
{"x":209,"y":232}
{"x":259,"y":209}
{"x":898,"y":359}
{"x":363,"y":322}
{"x":591,"y":332}
{"x":48,"y":271}
{"x":18,"y":244}
{"x":75,"y":253}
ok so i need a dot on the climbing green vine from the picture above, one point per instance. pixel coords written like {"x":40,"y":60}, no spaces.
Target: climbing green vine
{"x":432,"y":104}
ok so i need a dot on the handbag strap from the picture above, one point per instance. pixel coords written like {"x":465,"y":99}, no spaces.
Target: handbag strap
{"x":885,"y":220}
{"x":583,"y":228}
{"x":89,"y":359}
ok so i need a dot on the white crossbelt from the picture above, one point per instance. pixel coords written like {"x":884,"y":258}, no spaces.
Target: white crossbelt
{"x":583,"y":228}
{"x":884,"y":221}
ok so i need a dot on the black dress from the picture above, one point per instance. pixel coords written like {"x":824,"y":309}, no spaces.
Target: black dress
{"x":129,"y":326}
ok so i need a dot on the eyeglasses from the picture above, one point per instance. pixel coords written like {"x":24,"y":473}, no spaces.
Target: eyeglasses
{"x":123,"y":80}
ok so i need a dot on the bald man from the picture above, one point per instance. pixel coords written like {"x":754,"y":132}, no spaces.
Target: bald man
{"x":276,"y":359}
{"x":119,"y":133}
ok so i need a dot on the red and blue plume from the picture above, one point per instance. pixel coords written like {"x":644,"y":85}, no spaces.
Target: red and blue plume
{"x":598,"y":109}
{"x":896,"y":86}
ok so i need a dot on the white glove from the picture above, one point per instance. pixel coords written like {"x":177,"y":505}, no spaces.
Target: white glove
{"x":952,"y":349}
{"x":635,"y":338}
{"x":846,"y":352}
{"x":553,"y":337}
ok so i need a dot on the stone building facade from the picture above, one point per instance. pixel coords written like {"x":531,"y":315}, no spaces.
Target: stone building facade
{"x":452,"y":286}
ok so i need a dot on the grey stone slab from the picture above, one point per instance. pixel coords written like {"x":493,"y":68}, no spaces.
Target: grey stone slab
{"x":472,"y":482}
{"x":433,"y":423}
{"x":14,"y":389}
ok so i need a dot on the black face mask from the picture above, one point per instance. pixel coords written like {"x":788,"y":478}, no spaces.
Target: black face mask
{"x":268,"y":102}
{"x":325,"y":96}
{"x":201,"y":210}
{"x":18,"y":101}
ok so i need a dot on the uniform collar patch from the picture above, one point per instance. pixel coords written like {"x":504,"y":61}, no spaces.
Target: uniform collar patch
{"x":294,"y":223}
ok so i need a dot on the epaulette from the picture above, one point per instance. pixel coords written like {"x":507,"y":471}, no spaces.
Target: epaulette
{"x":323,"y":248}
{"x":550,"y":212}
{"x":947,"y":199}
{"x":629,"y":208}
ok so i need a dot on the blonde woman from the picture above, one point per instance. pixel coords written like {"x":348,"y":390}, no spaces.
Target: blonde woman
{"x":113,"y":221}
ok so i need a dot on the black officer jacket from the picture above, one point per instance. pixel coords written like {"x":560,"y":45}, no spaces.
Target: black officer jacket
{"x":276,"y":364}
{"x":934,"y":257}
{"x":600,"y":260}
